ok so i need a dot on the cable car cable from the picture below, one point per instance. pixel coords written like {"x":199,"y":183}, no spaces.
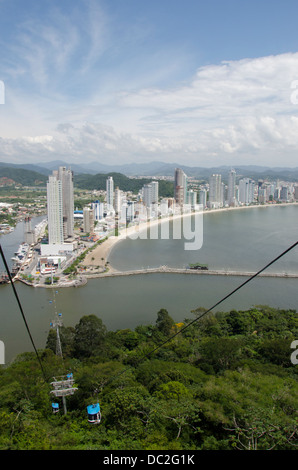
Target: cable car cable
{"x":21,"y":310}
{"x":207,"y":311}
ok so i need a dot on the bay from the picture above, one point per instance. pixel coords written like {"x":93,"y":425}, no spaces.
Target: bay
{"x":240,"y":239}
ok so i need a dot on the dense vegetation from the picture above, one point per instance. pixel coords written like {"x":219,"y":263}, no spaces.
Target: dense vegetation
{"x":98,"y":182}
{"x":86,"y":181}
{"x":225,"y":382}
{"x":23,"y":177}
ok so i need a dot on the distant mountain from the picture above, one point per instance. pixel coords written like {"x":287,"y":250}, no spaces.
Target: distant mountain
{"x":26,"y":166}
{"x":152,"y":169}
{"x":167,"y":169}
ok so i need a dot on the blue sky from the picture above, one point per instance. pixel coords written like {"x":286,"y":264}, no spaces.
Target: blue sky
{"x":199,"y":83}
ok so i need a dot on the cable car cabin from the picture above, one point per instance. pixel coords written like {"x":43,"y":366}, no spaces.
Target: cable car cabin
{"x":55,"y":407}
{"x":94,"y":415}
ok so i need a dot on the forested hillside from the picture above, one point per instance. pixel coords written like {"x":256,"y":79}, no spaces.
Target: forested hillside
{"x":225,"y":382}
{"x":23,"y":177}
{"x":98,"y":182}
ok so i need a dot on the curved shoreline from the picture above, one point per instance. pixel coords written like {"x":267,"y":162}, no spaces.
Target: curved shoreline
{"x":99,"y":256}
{"x":102,"y":252}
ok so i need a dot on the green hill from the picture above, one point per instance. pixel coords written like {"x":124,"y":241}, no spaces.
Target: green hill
{"x":23,"y":177}
{"x":98,"y":182}
{"x":85,"y":181}
{"x":225,"y":383}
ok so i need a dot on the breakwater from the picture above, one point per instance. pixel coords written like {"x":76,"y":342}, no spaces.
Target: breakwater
{"x":168,"y":270}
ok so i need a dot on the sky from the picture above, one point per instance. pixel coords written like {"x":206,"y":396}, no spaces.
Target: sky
{"x":192,"y":82}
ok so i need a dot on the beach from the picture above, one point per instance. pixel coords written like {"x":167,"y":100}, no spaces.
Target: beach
{"x":100,"y":255}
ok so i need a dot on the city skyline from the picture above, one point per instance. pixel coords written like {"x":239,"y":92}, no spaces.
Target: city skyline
{"x":202,"y":84}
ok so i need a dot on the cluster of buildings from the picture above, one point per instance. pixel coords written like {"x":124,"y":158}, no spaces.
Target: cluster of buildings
{"x":120,"y":208}
{"x":247,"y":191}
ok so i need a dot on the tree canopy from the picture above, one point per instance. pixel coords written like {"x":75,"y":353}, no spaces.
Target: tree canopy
{"x":225,"y":383}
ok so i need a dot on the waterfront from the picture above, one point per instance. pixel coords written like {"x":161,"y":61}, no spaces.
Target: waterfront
{"x":232,"y":240}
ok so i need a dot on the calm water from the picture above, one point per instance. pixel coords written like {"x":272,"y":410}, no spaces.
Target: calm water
{"x":244,"y":240}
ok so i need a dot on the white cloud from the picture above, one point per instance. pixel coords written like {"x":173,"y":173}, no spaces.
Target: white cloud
{"x":232,"y":112}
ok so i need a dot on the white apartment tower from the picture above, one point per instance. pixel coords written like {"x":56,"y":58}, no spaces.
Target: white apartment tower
{"x":232,"y":188}
{"x":147,"y":195}
{"x":150,"y":193}
{"x":60,"y":205}
{"x":180,"y":187}
{"x":246,"y":191}
{"x":55,"y":211}
{"x":110,"y":192}
{"x":215,"y":191}
{"x":66,"y":178}
{"x":118,"y":198}
{"x":154,"y":185}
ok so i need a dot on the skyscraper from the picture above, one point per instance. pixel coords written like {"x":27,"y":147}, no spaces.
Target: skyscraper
{"x":154,"y":185}
{"x":180,"y":187}
{"x":88,"y":220}
{"x":232,"y":188}
{"x":117,"y":203}
{"x":97,"y":208}
{"x":246,"y":191}
{"x":110,"y":192}
{"x":150,"y":193}
{"x":66,"y":178}
{"x":215,"y":191}
{"x":147,"y":195}
{"x":55,"y":210}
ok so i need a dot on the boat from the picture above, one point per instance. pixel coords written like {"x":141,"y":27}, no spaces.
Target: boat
{"x":4,"y":279}
{"x":22,"y":251}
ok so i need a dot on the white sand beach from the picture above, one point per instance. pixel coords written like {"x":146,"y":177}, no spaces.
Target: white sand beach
{"x":100,"y":255}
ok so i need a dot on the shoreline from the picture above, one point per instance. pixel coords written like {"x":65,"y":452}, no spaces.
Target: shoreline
{"x":98,"y":257}
{"x":101,"y":253}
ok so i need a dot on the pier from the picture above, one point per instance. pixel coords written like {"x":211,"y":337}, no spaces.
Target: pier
{"x":213,"y":272}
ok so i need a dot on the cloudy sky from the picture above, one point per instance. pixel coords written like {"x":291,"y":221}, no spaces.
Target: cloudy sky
{"x":194,"y":82}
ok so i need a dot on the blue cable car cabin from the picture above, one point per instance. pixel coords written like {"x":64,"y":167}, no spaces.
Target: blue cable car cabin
{"x":55,"y":407}
{"x":94,"y":415}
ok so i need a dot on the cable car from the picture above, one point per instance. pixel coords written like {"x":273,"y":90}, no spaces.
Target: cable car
{"x":55,"y":407}
{"x":94,"y":415}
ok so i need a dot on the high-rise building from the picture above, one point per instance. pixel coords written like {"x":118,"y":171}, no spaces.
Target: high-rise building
{"x":97,"y":208}
{"x":180,"y":187}
{"x":28,"y":232}
{"x":232,"y":188}
{"x":192,"y":198}
{"x":130,"y":211}
{"x":284,"y":193}
{"x":88,"y":220}
{"x":66,"y":177}
{"x":110,"y":192}
{"x":246,"y":191}
{"x":154,"y":185}
{"x":203,"y":197}
{"x":55,"y":210}
{"x":215,"y":191}
{"x":117,"y":202}
{"x":147,"y":194}
{"x":150,"y":193}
